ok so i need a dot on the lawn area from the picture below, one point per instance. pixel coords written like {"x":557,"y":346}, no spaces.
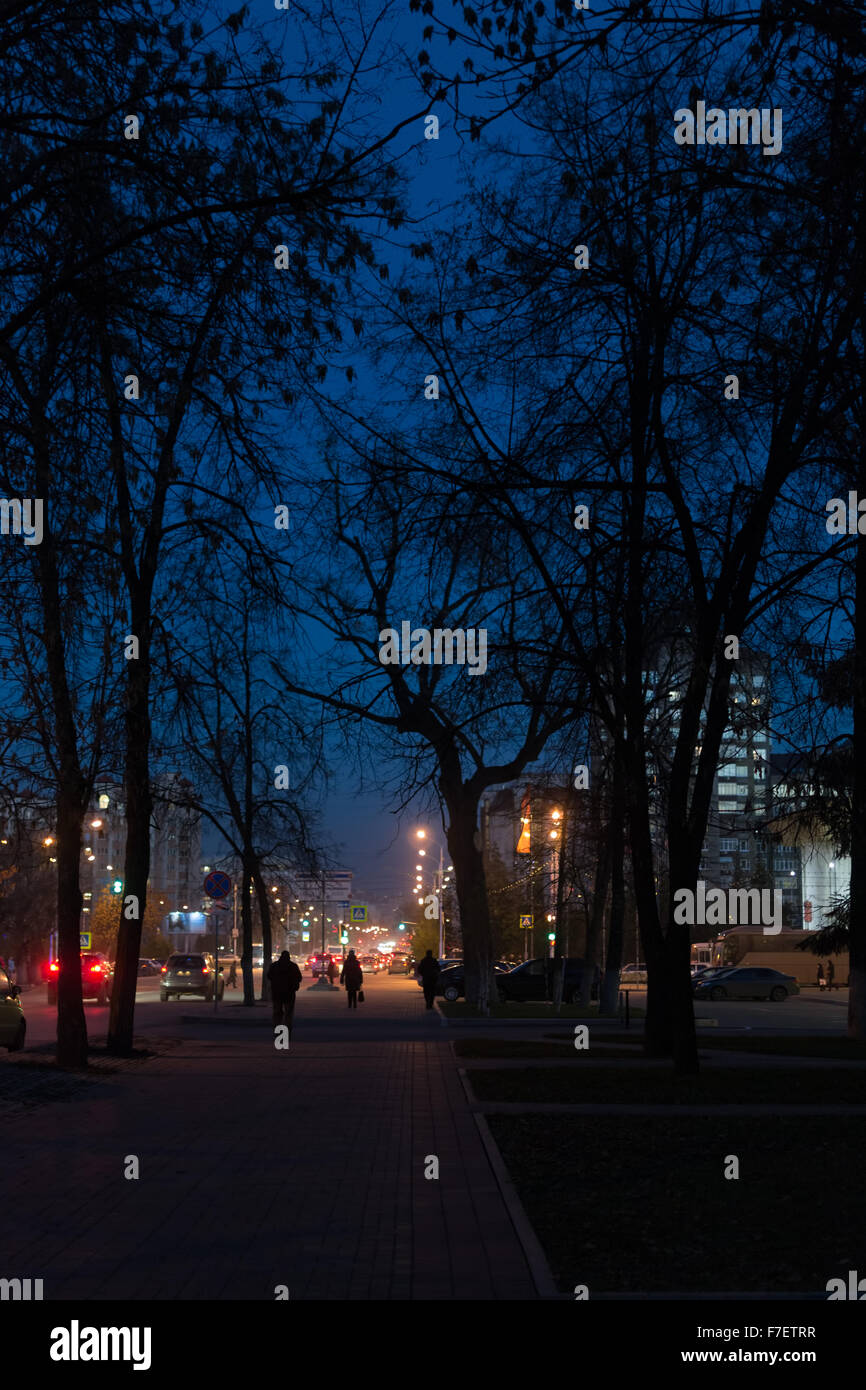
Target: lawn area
{"x":513,"y":1048}
{"x":628,"y":1204}
{"x":536,"y":1009}
{"x":629,"y":1084}
{"x":833,"y":1048}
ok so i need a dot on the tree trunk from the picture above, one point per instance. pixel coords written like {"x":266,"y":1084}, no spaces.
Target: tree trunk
{"x":658,"y":1030}
{"x":136,"y":869}
{"x":599,"y":900}
{"x":466,"y":856}
{"x":560,"y":948}
{"x":608,"y":994}
{"x":265,"y":913}
{"x":71,"y":1024}
{"x":683,"y":874}
{"x":857,"y":915}
{"x":247,"y":935}
{"x":72,"y":790}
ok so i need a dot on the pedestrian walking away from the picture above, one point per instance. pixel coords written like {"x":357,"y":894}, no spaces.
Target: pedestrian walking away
{"x":285,"y":979}
{"x":429,"y":972}
{"x":233,"y":975}
{"x":352,"y":976}
{"x":831,"y":973}
{"x":331,"y":972}
{"x":821,"y":975}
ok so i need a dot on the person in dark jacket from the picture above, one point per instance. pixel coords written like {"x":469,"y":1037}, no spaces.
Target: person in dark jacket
{"x":286,"y":979}
{"x":429,"y":972}
{"x":352,"y":976}
{"x":831,"y":974}
{"x":821,"y":975}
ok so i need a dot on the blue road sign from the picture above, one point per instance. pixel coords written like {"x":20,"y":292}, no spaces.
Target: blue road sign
{"x":217,"y":884}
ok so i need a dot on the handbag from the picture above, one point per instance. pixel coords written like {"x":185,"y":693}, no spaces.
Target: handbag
{"x":360,"y":996}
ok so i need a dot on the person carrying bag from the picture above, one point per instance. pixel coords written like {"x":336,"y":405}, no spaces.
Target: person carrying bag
{"x":352,"y":976}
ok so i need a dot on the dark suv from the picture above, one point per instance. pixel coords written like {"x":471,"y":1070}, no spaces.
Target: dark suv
{"x":191,"y":974}
{"x":97,"y":975}
{"x":534,"y":980}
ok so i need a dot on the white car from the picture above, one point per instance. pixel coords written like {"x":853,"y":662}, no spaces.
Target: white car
{"x":633,"y":975}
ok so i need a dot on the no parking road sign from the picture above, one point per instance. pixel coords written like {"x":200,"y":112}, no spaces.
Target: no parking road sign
{"x":217,"y":884}
{"x":357,"y":913}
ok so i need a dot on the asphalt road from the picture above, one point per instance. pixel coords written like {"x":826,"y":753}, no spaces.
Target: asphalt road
{"x":811,"y":1012}
{"x":806,"y":1013}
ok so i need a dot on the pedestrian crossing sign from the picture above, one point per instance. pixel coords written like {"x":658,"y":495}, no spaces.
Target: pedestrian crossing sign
{"x":357,"y":913}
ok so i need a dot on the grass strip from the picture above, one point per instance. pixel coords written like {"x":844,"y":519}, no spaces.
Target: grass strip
{"x":624,"y":1085}
{"x":536,"y":1009}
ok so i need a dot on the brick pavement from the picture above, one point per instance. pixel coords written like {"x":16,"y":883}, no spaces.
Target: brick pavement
{"x":261,"y":1168}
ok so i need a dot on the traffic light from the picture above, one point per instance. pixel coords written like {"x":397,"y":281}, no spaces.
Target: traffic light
{"x":402,"y":926}
{"x":551,"y":936}
{"x":305,"y":921}
{"x":117,"y":886}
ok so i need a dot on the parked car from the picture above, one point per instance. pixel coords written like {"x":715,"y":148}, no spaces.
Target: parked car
{"x":534,"y":980}
{"x":747,"y":982}
{"x":13,"y":1025}
{"x":97,"y":977}
{"x":451,"y":981}
{"x":191,"y":974}
{"x":704,"y":972}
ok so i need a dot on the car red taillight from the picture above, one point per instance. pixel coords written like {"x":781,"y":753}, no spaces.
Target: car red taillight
{"x":95,"y":969}
{"x":54,"y":967}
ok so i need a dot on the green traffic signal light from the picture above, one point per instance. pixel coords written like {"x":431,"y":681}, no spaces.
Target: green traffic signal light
{"x":551,"y":936}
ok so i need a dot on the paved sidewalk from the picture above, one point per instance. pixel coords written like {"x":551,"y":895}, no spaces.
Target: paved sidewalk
{"x":259,"y":1168}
